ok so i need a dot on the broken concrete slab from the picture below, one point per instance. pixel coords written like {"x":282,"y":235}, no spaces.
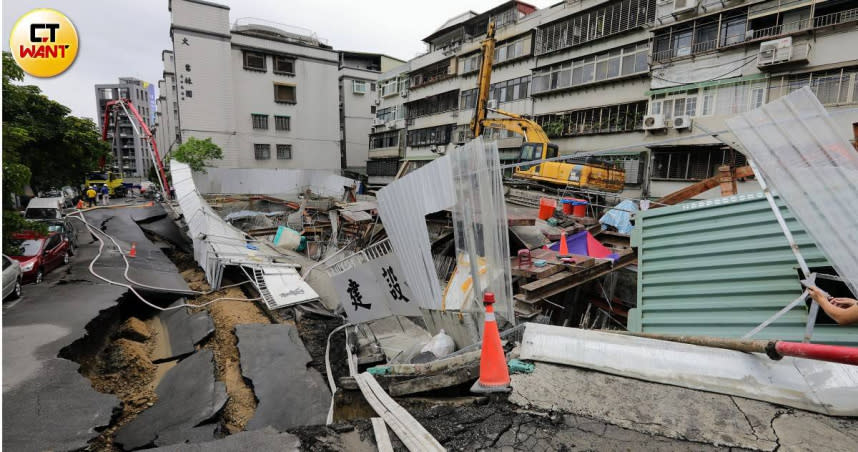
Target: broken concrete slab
{"x":266,"y":439}
{"x":290,"y":394}
{"x":184,"y":330}
{"x":56,"y":409}
{"x":49,"y":404}
{"x":150,"y":266}
{"x":653,"y":408}
{"x":188,"y":395}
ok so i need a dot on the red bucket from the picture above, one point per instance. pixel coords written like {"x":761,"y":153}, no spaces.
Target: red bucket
{"x":579,"y":207}
{"x":547,"y":206}
{"x":567,"y":206}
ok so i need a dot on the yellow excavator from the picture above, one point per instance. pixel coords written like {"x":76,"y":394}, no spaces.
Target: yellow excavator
{"x":589,"y":173}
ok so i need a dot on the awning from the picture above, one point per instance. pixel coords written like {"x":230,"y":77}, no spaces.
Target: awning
{"x":708,"y":84}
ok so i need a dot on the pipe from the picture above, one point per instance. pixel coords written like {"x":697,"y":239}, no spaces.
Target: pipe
{"x":821,"y":352}
{"x":774,"y":349}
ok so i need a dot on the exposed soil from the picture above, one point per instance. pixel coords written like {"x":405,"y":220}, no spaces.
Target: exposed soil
{"x":226,"y":314}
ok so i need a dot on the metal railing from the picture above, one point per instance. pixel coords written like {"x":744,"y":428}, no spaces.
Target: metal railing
{"x":772,"y":32}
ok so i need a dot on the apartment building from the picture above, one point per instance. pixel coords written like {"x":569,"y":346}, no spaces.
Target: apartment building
{"x":714,"y":59}
{"x":358,"y":82}
{"x":640,"y":79}
{"x":579,"y":68}
{"x":387,"y":137}
{"x":131,"y":156}
{"x":265,"y":93}
{"x":167,"y":134}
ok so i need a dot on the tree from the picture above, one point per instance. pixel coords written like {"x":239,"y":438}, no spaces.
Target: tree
{"x":43,"y":146}
{"x":195,"y":152}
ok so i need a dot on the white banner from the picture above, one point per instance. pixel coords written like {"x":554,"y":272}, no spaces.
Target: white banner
{"x":361,"y":295}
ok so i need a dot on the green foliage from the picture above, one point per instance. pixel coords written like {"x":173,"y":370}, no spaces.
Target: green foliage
{"x":195,"y":152}
{"x":553,"y":128}
{"x":43,"y":145}
{"x":14,"y":222}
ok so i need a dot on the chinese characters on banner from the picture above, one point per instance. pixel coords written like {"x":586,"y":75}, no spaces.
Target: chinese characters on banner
{"x":374,"y":290}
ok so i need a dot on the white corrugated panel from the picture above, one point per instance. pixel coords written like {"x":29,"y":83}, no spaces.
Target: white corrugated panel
{"x":403,"y":205}
{"x":286,"y":287}
{"x":804,"y":158}
{"x":818,"y":386}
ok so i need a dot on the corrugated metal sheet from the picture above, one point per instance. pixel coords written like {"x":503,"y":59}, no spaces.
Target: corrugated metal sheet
{"x":721,"y":267}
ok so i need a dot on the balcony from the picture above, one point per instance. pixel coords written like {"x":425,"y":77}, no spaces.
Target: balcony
{"x":762,"y":34}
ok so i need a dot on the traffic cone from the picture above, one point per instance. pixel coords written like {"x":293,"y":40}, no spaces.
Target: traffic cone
{"x":564,"y":247}
{"x":80,"y":204}
{"x":133,"y":251}
{"x":494,"y":373}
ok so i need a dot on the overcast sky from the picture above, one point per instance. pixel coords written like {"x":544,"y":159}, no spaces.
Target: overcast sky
{"x":121,"y":38}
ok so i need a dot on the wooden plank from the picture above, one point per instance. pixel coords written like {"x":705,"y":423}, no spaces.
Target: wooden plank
{"x":564,"y":281}
{"x":514,"y":219}
{"x":382,"y":440}
{"x":412,"y":434}
{"x":431,"y":382}
{"x":533,"y":272}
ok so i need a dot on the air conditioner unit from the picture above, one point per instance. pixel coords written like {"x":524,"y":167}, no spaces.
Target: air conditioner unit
{"x":776,"y":51}
{"x":682,"y":122}
{"x":492,"y":104}
{"x":390,"y":124}
{"x":377,"y":101}
{"x":653,"y":122}
{"x":377,"y":122}
{"x":684,"y":6}
{"x":404,"y":93}
{"x":433,"y":148}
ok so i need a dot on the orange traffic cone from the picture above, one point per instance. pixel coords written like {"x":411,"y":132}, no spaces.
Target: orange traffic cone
{"x":80,"y":204}
{"x":133,"y":251}
{"x":564,"y":247}
{"x":494,"y":373}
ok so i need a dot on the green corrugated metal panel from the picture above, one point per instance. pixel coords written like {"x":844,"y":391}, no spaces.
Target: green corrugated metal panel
{"x":720,"y":268}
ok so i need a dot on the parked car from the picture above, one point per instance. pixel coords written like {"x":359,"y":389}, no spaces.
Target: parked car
{"x":54,"y":193}
{"x":66,"y":228}
{"x":44,"y":209}
{"x":38,"y":254}
{"x":12,"y":278}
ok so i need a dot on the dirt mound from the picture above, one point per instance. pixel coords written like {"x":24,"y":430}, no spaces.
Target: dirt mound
{"x":134,"y":329}
{"x":130,"y":358}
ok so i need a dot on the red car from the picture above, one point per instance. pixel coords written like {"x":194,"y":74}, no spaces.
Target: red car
{"x":38,"y":254}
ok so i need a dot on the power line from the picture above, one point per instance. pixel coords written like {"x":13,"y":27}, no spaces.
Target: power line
{"x":704,"y":81}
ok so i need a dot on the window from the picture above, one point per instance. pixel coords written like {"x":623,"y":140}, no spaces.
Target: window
{"x":614,"y":118}
{"x":430,"y":135}
{"x":433,"y":104}
{"x":471,"y":63}
{"x":284,"y":65}
{"x":389,"y":87}
{"x":384,"y":140}
{"x":284,"y":152}
{"x":708,"y":102}
{"x":372,"y":86}
{"x":623,"y":61}
{"x":612,"y":18}
{"x":693,"y":164}
{"x":733,"y":30}
{"x":282,"y":123}
{"x":388,"y":114}
{"x":358,"y":86}
{"x":284,"y":93}
{"x":254,"y":61}
{"x":259,"y":121}
{"x":262,"y":151}
{"x":757,"y":97}
{"x":431,"y":74}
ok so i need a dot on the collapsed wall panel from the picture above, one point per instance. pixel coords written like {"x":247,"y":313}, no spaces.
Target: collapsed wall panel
{"x":800,"y":153}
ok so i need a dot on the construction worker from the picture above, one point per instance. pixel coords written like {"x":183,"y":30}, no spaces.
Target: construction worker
{"x":844,"y":311}
{"x":90,"y":196}
{"x":105,"y":195}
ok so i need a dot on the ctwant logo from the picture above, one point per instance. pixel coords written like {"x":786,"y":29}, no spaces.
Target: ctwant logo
{"x":44,"y":42}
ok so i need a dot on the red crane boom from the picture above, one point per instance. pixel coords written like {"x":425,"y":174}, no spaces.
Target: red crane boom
{"x":113,"y":107}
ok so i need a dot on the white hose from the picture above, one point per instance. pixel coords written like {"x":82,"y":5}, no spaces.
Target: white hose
{"x":139,"y":284}
{"x":96,"y":234}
